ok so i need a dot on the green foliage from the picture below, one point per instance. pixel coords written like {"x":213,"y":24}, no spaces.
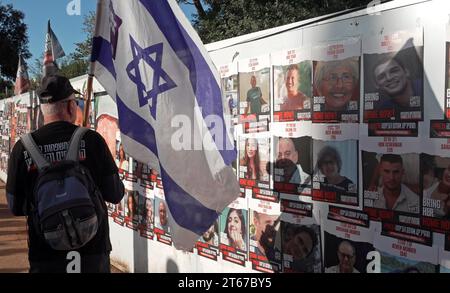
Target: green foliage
{"x":13,"y":40}
{"x":221,"y":19}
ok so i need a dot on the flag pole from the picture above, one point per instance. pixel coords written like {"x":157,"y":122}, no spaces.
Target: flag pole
{"x":90,"y":80}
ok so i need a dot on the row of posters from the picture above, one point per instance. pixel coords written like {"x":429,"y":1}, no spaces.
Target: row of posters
{"x":376,"y":79}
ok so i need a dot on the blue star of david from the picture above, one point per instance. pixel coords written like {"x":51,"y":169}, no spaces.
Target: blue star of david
{"x":158,"y":74}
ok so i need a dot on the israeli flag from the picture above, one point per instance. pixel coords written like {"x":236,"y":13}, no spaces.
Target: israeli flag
{"x":150,"y":59}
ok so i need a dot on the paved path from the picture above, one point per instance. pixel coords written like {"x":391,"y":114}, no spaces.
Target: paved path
{"x":13,"y":239}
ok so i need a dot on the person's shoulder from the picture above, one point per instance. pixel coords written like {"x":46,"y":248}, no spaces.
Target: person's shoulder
{"x":94,"y":135}
{"x":409,"y":193}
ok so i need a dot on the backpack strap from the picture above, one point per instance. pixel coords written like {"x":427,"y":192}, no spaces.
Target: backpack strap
{"x":30,"y":145}
{"x":74,"y":144}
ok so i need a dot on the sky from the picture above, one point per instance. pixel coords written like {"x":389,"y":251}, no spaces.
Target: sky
{"x":67,"y":28}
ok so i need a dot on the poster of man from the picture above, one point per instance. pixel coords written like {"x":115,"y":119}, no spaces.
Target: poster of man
{"x":337,"y":81}
{"x":229,"y":85}
{"x":292,"y":71}
{"x":254,"y":90}
{"x":293,"y":165}
{"x":208,"y":244}
{"x":265,"y":238}
{"x":348,"y":240}
{"x":345,"y":256}
{"x":301,"y":247}
{"x":391,"y":182}
{"x":393,"y":77}
{"x":335,"y":177}
{"x":162,"y":228}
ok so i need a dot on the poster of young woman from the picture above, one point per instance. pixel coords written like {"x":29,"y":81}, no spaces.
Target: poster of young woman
{"x":233,"y":227}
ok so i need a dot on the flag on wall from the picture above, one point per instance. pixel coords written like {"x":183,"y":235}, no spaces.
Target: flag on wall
{"x":53,"y":51}
{"x":22,"y":80}
{"x":152,"y":62}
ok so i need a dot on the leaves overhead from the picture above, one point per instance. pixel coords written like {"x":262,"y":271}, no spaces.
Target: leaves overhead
{"x":222,"y":19}
{"x":13,"y":40}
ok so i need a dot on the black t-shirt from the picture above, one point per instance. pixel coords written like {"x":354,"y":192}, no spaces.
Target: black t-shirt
{"x":22,"y":174}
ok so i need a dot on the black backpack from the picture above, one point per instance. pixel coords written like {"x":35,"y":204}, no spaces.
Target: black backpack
{"x":66,"y":206}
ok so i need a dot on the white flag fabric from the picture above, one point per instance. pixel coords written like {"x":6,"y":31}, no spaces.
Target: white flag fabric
{"x":149,"y":58}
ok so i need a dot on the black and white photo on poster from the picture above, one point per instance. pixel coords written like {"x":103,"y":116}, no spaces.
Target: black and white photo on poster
{"x":403,"y":256}
{"x":162,"y":227}
{"x":254,"y":93}
{"x":348,"y":241}
{"x":300,"y":237}
{"x":264,"y":236}
{"x":391,"y":187}
{"x":208,"y":244}
{"x":292,"y":84}
{"x":335,"y":174}
{"x":292,"y":158}
{"x":393,"y":76}
{"x":146,"y":211}
{"x":230,"y":84}
{"x":233,"y":227}
{"x":336,"y":81}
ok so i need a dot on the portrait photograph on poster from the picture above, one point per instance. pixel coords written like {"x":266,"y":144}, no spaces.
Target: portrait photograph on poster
{"x":234,"y":235}
{"x":391,"y":186}
{"x":254,"y":160}
{"x":264,"y":236}
{"x":435,"y":175}
{"x":335,"y":177}
{"x":146,"y":216}
{"x":254,"y":93}
{"x":208,"y":244}
{"x":393,"y":77}
{"x":230,"y":85}
{"x":336,"y":81}
{"x":301,"y":248}
{"x":292,"y":72}
{"x":293,"y":165}
{"x":162,"y":228}
{"x":131,"y":210}
{"x":345,"y":256}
